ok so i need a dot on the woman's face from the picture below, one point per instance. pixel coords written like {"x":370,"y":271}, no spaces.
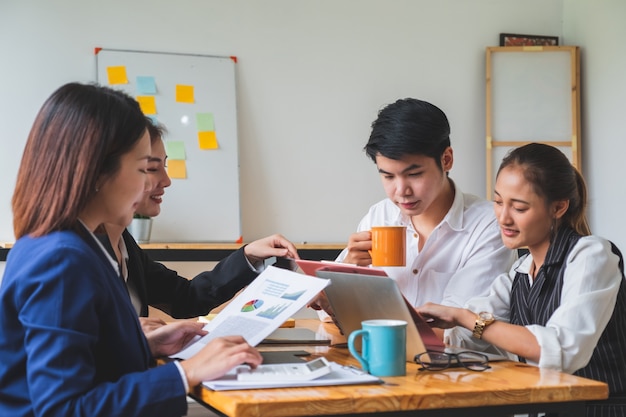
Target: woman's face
{"x":524,"y":218}
{"x":150,"y":204}
{"x":119,"y":196}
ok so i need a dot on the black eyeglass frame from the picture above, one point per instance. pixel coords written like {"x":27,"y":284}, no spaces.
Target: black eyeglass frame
{"x":473,"y":365}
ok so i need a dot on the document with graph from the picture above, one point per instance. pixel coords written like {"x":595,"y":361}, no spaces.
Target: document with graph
{"x":272,"y":298}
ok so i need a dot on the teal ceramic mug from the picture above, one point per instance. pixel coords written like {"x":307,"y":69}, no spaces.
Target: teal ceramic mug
{"x":383,"y":350}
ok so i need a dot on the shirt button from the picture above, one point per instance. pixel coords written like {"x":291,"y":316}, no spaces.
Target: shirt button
{"x":415,"y":235}
{"x":415,"y":271}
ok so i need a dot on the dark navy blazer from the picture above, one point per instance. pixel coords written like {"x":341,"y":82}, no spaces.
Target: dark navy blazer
{"x":70,"y":340}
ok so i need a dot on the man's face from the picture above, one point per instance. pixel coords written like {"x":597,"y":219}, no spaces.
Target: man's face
{"x":414,"y":181}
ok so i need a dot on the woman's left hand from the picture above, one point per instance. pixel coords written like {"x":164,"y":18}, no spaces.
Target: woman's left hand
{"x":150,"y":323}
{"x":438,"y":315}
{"x":275,"y":245}
{"x":171,"y":338}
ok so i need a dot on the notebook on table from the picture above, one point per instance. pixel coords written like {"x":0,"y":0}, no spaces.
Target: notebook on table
{"x":358,"y":297}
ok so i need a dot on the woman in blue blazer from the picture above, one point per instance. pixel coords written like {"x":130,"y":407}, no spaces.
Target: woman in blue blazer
{"x":71,"y":343}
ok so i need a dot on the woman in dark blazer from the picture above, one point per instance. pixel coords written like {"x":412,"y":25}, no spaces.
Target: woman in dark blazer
{"x":151,"y":283}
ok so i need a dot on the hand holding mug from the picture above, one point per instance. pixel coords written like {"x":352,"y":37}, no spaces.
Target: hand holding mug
{"x":388,"y":246}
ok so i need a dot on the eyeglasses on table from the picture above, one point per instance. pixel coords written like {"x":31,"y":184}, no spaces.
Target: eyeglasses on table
{"x":437,"y":361}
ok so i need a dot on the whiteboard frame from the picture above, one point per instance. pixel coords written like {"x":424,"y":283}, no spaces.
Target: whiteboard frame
{"x":204,"y":207}
{"x":551,"y":95}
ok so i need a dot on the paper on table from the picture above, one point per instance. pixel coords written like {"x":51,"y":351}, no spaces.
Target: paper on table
{"x":274,"y":296}
{"x":340,"y":375}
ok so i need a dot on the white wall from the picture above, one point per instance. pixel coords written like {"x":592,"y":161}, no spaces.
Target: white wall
{"x":311,"y":77}
{"x":599,"y":28}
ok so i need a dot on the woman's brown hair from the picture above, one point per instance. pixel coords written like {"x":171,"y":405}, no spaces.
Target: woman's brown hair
{"x":75,"y":143}
{"x":553,"y":177}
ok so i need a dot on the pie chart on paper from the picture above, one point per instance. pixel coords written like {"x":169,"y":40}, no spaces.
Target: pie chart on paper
{"x":251,"y":305}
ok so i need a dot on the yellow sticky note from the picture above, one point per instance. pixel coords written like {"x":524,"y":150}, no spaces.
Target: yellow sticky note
{"x":184,"y":93}
{"x":207,"y":140}
{"x":147,"y":104}
{"x":176,"y":169}
{"x":117,"y":75}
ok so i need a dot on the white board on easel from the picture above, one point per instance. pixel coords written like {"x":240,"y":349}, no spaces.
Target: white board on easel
{"x":532,"y":95}
{"x":190,"y":94}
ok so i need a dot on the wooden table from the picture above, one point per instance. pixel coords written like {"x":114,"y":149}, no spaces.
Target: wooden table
{"x":506,"y":389}
{"x":213,"y":252}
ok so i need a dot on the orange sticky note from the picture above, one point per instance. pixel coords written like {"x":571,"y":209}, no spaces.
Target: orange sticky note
{"x":207,"y":140}
{"x":176,"y":169}
{"x":147,"y":104}
{"x":184,"y":93}
{"x":117,"y":75}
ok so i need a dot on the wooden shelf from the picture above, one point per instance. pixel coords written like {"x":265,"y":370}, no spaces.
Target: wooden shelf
{"x":202,"y":252}
{"x":532,"y":95}
{"x":232,"y":246}
{"x":215,"y":251}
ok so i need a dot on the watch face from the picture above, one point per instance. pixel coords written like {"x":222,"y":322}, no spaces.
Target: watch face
{"x":486,"y":316}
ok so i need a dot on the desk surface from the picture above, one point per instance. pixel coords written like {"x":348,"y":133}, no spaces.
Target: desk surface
{"x":214,"y":252}
{"x":506,"y":384}
{"x":215,"y":245}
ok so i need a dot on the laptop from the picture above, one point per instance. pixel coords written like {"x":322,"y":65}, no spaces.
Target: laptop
{"x":358,"y":297}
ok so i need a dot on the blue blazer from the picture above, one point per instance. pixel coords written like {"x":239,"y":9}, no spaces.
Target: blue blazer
{"x":71,"y":343}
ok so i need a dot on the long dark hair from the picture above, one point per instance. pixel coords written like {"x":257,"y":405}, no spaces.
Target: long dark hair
{"x":553,"y":177}
{"x":77,"y":140}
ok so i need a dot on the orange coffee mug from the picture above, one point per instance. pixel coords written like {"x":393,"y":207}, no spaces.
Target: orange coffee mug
{"x":388,"y":246}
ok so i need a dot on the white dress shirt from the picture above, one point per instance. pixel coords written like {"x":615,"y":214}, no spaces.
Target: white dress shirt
{"x":460,"y":259}
{"x":590,"y":284}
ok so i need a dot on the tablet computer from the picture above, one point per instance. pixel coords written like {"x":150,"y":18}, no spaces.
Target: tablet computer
{"x":311,"y":267}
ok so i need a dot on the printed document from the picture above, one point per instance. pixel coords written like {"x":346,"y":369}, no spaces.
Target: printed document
{"x":272,"y":298}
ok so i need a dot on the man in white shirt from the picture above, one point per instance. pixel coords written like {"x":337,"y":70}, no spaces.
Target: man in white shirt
{"x":454,"y":249}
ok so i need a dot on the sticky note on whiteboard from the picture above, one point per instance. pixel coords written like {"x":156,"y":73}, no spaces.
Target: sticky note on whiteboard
{"x":175,"y":150}
{"x":146,"y":85}
{"x":177,"y":169}
{"x":184,"y":93}
{"x":117,"y":75}
{"x":204,"y":122}
{"x":147,"y":104}
{"x":207,"y":140}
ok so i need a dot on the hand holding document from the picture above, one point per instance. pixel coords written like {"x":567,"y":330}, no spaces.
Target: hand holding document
{"x":272,"y":298}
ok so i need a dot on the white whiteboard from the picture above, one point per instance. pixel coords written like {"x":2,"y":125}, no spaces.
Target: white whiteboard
{"x":204,"y":206}
{"x":532,"y":95}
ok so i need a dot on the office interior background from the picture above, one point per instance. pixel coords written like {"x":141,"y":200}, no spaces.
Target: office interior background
{"x":311,"y":77}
